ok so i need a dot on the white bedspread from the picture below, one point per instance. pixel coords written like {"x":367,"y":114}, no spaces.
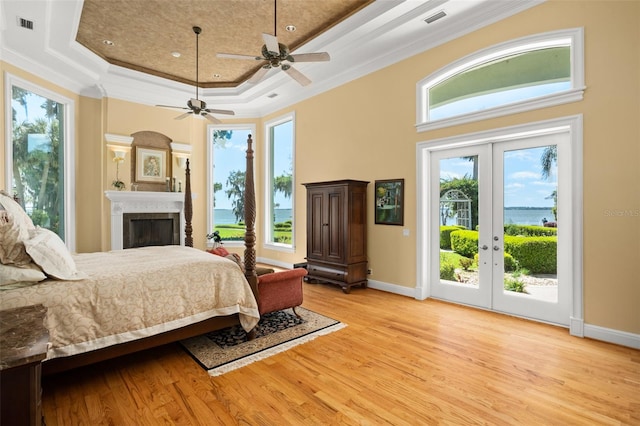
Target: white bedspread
{"x":135,"y":293}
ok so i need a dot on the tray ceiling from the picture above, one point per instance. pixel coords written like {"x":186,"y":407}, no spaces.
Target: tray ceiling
{"x":143,"y":35}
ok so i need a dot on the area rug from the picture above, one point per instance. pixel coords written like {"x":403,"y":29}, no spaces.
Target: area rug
{"x":226,"y":350}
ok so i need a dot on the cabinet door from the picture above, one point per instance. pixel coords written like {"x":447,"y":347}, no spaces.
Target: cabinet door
{"x":315,"y":223}
{"x":335,"y":225}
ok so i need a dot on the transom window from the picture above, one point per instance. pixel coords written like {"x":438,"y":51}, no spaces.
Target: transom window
{"x":533,"y":72}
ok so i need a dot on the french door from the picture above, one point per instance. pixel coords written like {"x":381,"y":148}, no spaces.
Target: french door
{"x":489,"y":202}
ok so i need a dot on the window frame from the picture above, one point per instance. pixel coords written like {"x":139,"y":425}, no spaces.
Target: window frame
{"x":575,"y":39}
{"x":268,"y":182}
{"x":210,"y":169}
{"x":69,"y":167}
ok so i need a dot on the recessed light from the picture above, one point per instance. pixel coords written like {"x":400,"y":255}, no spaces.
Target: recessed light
{"x":290,"y":28}
{"x":175,"y":54}
{"x":108,"y":42}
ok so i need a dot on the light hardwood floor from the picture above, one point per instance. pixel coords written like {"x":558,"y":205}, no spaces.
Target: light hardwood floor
{"x":399,"y":361}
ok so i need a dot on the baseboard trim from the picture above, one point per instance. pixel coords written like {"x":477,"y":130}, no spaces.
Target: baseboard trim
{"x":610,"y":335}
{"x":392,"y":288}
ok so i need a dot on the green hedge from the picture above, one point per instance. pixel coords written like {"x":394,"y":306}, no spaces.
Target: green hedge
{"x":445,"y":235}
{"x":530,"y":230}
{"x":464,"y":242}
{"x":536,"y":254}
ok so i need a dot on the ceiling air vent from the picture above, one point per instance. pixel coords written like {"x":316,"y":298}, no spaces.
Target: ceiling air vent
{"x":435,"y":17}
{"x":271,"y":96}
{"x":25,"y":23}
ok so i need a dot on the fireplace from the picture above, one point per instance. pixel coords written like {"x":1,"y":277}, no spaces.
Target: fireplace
{"x":140,"y":218}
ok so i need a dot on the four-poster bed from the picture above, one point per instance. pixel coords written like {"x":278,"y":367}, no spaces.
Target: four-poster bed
{"x":140,"y":303}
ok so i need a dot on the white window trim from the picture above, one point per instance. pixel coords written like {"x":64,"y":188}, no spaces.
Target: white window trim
{"x":210,"y":165}
{"x":268,"y":212}
{"x":68,"y":168}
{"x":574,"y":37}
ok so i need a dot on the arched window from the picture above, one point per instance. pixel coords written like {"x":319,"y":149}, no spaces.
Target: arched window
{"x":528,"y":73}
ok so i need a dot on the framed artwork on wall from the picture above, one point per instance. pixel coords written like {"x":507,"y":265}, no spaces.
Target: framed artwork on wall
{"x":151,"y":164}
{"x":389,"y":198}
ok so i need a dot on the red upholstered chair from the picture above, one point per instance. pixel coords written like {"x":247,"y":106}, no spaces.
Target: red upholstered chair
{"x":280,"y":290}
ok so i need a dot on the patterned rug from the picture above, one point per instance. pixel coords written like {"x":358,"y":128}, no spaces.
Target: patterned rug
{"x":226,"y":350}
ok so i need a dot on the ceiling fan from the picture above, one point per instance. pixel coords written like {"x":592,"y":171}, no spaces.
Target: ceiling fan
{"x":197,"y":106}
{"x":277,"y":55}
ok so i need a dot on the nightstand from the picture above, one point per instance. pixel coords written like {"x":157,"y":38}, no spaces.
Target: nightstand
{"x":23,"y":345}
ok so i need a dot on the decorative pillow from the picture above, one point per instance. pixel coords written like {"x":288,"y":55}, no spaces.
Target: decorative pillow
{"x":12,"y":274}
{"x":220,"y":251}
{"x":15,"y":210}
{"x":49,"y":252}
{"x":12,"y":238}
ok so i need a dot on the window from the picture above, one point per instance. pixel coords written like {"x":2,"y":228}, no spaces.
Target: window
{"x":278,"y":182}
{"x":227,"y":146}
{"x":39,"y":159}
{"x":520,"y":75}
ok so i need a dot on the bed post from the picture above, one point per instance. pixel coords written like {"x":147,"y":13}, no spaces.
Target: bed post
{"x":249,"y":221}
{"x":188,"y":207}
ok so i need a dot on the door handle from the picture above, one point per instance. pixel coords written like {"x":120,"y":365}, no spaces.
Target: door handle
{"x":484,"y":247}
{"x":496,"y":248}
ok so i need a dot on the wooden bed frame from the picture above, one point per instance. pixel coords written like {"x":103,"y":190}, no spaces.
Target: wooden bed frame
{"x":57,"y":365}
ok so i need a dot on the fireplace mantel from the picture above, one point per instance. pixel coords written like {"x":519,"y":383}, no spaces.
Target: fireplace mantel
{"x":142,"y":202}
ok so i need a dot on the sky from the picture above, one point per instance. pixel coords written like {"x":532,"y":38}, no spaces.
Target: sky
{"x":523,"y":182}
{"x":234,"y":158}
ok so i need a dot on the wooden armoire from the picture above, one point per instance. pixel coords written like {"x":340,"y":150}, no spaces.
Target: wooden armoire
{"x":337,"y":232}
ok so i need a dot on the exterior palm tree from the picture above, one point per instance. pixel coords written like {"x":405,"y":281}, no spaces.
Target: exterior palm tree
{"x":548,"y":158}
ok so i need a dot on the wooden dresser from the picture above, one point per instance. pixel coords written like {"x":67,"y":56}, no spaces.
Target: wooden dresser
{"x":337,"y":232}
{"x":23,"y":345}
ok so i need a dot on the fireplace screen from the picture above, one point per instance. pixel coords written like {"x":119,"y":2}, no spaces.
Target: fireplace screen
{"x":150,"y":229}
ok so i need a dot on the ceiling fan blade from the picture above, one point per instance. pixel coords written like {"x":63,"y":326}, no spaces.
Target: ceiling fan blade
{"x":211,"y":118}
{"x":258,"y":75}
{"x":185,"y":115}
{"x":171,"y":106}
{"x":309,"y":57}
{"x":220,"y":111}
{"x":297,"y":76}
{"x":234,"y":56}
{"x":271,"y":42}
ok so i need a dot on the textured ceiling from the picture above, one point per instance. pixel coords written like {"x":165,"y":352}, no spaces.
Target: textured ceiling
{"x":146,"y":33}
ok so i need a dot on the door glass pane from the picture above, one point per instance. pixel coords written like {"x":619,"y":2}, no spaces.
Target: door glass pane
{"x":38,"y":157}
{"x":530,"y":222}
{"x":458,"y":221}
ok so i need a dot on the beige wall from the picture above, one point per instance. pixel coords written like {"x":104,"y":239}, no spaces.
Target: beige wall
{"x":365,"y":130}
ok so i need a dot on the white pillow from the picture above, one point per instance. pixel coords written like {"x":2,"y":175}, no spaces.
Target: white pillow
{"x":13,"y":274}
{"x":49,"y":252}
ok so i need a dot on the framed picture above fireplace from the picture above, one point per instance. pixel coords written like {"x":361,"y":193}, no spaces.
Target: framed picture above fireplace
{"x":151,"y":164}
